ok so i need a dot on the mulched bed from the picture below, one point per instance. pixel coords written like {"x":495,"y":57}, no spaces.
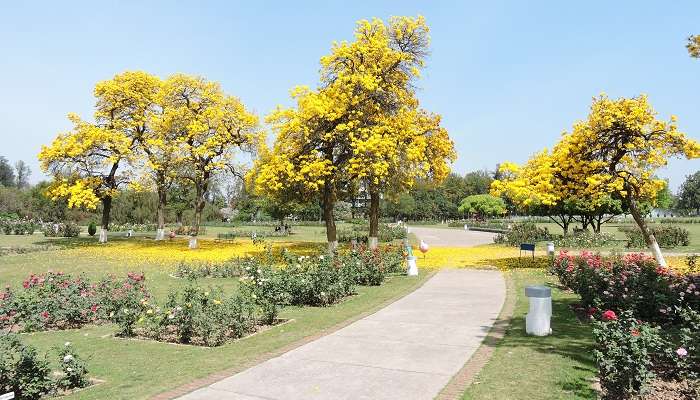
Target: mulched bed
{"x":672,"y":390}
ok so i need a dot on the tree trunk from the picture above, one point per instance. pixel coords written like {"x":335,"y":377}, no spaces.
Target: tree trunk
{"x":597,"y":223}
{"x":328,"y":217}
{"x":646,"y":233}
{"x":564,"y":224}
{"x":106,"y":209}
{"x":373,"y":219}
{"x":585,"y":221}
{"x":160,"y":231}
{"x":199,"y":204}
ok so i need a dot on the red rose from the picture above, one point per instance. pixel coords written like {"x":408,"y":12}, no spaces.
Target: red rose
{"x":592,"y":310}
{"x":45,"y":314}
{"x":635,"y":332}
{"x":609,"y":316}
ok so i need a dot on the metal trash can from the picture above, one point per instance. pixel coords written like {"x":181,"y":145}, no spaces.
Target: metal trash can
{"x":538,"y":318}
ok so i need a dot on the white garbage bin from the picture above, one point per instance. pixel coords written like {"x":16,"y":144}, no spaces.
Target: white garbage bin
{"x":538,"y":318}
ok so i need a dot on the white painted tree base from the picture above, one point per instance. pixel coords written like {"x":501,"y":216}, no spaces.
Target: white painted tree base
{"x":332,"y":246}
{"x":656,"y":251}
{"x":103,"y":235}
{"x":193,"y":242}
{"x":160,"y":234}
{"x":373,"y":242}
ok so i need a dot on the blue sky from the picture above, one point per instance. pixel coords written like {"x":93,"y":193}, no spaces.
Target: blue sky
{"x":507,"y":76}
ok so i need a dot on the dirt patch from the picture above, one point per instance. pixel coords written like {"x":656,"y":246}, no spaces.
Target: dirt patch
{"x":672,"y":390}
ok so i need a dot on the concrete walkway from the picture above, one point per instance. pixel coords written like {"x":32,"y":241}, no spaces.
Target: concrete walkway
{"x":451,"y":237}
{"x":408,"y":350}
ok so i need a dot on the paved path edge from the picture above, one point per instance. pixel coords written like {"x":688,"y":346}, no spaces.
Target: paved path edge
{"x":217,"y":376}
{"x":465,"y":377}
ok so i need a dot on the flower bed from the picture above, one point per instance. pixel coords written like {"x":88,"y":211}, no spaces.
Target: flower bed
{"x":632,"y":282}
{"x":646,"y":317}
{"x":25,"y":226}
{"x":29,"y":376}
{"x":59,"y":301}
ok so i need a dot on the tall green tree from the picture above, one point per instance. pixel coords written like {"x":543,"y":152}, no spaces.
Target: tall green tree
{"x":7,"y":174}
{"x":689,"y":195}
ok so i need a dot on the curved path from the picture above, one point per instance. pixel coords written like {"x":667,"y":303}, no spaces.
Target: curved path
{"x":407,"y":350}
{"x":451,"y":237}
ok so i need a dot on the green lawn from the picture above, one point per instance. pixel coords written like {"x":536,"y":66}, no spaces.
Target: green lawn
{"x":612,"y":228}
{"x":558,"y":366}
{"x":137,"y":369}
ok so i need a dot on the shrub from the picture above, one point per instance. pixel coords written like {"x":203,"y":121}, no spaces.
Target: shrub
{"x":199,"y":316}
{"x":27,"y":374}
{"x":360,"y":233}
{"x":14,"y":226}
{"x":624,"y":349}
{"x":370,"y":267}
{"x":523,"y":232}
{"x":22,"y":370}
{"x":123,"y":301}
{"x":135,"y":227}
{"x":632,"y":282}
{"x":73,"y":367}
{"x":317,"y":281}
{"x":585,"y":239}
{"x":267,"y":287}
{"x":49,"y":301}
{"x":666,"y":236}
{"x":226,"y":269}
{"x":188,"y":230}
{"x":92,"y":229}
{"x":60,"y":229}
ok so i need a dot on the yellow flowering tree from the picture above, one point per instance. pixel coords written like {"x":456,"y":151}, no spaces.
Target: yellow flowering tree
{"x":618,"y":150}
{"x":693,"y":46}
{"x":162,"y":152}
{"x":88,"y":162}
{"x":214,"y":125}
{"x":613,"y":154}
{"x":412,"y":146}
{"x":358,"y":125}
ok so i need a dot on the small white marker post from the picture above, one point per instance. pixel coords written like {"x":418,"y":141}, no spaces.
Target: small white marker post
{"x":7,"y":396}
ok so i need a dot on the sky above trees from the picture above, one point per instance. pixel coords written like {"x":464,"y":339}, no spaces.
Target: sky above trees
{"x":507,"y":77}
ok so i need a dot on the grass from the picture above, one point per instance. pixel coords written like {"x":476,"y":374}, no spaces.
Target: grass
{"x":559,"y":366}
{"x":137,"y":369}
{"x":612,"y":228}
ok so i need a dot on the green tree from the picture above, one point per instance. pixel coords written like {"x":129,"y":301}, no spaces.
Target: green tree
{"x":477,"y":182}
{"x":23,"y":172}
{"x":483,"y":205}
{"x":689,"y":195}
{"x":7,"y":174}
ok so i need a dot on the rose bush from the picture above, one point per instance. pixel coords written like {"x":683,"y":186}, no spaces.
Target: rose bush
{"x":647,"y":318}
{"x":632,"y":282}
{"x":60,"y":301}
{"x":28,"y":374}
